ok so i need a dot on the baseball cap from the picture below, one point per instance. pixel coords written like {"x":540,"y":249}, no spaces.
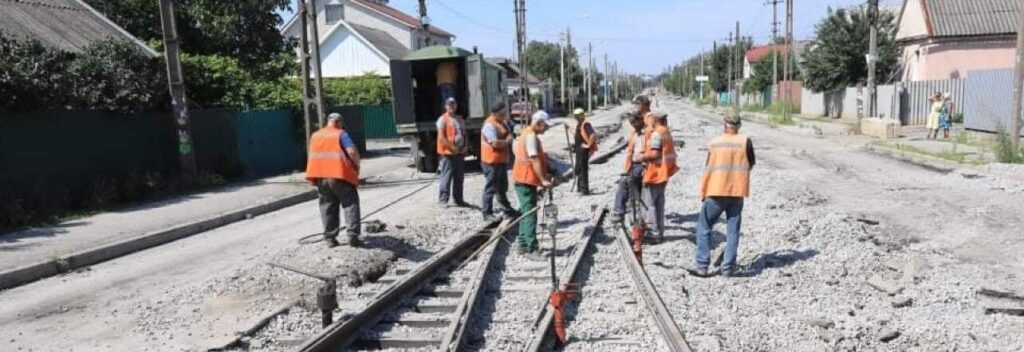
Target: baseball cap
{"x":499,"y":106}
{"x":541,"y":116}
{"x":449,"y":101}
{"x":734,"y":119}
{"x":578,"y":111}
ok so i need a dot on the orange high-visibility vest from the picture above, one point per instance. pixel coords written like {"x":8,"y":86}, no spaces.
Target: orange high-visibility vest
{"x":659,"y":171}
{"x":728,"y":169}
{"x":491,"y":155}
{"x":327,"y":159}
{"x":522,"y":170}
{"x":450,"y":131}
{"x":588,"y":137}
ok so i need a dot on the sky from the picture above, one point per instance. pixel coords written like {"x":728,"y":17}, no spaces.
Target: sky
{"x":643,"y":36}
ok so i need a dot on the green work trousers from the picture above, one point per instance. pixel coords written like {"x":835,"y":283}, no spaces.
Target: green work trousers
{"x":527,"y":196}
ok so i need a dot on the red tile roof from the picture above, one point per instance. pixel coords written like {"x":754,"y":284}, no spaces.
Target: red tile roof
{"x":757,"y":53}
{"x":400,"y":16}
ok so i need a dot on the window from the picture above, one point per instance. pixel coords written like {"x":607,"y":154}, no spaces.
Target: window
{"x":333,"y":13}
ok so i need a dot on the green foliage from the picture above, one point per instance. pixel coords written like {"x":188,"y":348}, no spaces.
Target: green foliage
{"x":836,"y":57}
{"x":369,"y":89}
{"x":761,"y":80}
{"x":543,"y":61}
{"x":106,"y":75}
{"x":1005,"y":151}
{"x":719,"y":61}
{"x":246,"y":31}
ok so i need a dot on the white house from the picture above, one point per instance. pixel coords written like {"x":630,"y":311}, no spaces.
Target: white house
{"x":362,"y":36}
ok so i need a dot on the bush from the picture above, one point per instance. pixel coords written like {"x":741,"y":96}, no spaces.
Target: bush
{"x":1005,"y":152}
{"x":369,"y":89}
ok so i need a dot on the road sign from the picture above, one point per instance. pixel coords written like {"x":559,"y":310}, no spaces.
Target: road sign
{"x":702,"y":78}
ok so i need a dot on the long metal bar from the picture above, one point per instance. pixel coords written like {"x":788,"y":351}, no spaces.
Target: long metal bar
{"x":659,"y":312}
{"x":342,"y":333}
{"x":569,"y":272}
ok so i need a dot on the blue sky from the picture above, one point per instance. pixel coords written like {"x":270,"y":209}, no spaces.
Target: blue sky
{"x":644,"y":36}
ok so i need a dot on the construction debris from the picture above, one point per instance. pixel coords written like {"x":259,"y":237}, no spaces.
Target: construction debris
{"x":885,"y":285}
{"x":1000,"y":293}
{"x":900,"y":302}
{"x":375,"y":226}
{"x":889,"y":336}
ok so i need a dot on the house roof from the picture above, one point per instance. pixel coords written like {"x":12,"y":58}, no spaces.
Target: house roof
{"x":757,"y":53}
{"x":69,"y":25}
{"x":512,"y":68}
{"x":400,"y":16}
{"x":382,"y":41}
{"x":965,"y":18}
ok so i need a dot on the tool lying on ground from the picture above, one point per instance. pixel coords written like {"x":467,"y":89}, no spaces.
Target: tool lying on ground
{"x":326,"y":296}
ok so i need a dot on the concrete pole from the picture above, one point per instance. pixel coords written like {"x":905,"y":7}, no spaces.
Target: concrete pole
{"x":561,"y":62}
{"x":590,"y":75}
{"x":739,"y":62}
{"x":604,"y":80}
{"x":872,"y":58}
{"x":1018,"y":86}
{"x":702,"y":74}
{"x":775,"y":53}
{"x":176,"y":86}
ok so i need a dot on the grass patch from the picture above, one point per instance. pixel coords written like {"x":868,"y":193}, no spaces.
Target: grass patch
{"x":1005,"y":152}
{"x":950,"y":155}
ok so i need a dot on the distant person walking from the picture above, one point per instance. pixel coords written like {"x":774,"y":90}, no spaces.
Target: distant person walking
{"x":946,"y":115}
{"x":932,"y":123}
{"x":495,"y":148}
{"x":585,"y":145}
{"x":530,"y":174}
{"x":633,"y":173}
{"x":333,"y":167}
{"x":726,"y":182}
{"x":451,"y":146}
{"x":447,"y":76}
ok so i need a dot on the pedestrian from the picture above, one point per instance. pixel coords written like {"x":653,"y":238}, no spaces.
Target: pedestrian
{"x":495,"y":142}
{"x":660,"y":160}
{"x":585,"y":146}
{"x":447,"y":74}
{"x":530,"y":174}
{"x":632,"y":177}
{"x":333,"y":167}
{"x":932,"y":123}
{"x":451,"y":146}
{"x":726,"y":182}
{"x":946,"y":115}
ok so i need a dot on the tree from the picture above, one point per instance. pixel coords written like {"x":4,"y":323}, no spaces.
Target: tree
{"x":243,"y":30}
{"x":836,"y":58}
{"x":543,"y":62}
{"x":762,"y":76}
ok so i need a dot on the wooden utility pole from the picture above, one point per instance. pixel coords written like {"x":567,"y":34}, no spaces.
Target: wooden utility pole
{"x":424,"y":25}
{"x":309,"y":58}
{"x":872,"y":58}
{"x":176,"y":85}
{"x":1018,"y":86}
{"x":520,"y":11}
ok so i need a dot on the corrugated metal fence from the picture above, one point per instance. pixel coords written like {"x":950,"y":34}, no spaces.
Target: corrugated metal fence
{"x":914,"y":103}
{"x":379,"y":122}
{"x":989,"y":100}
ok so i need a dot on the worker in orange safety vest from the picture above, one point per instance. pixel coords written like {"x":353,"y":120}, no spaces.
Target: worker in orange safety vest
{"x":530,"y":174}
{"x":452,"y":145}
{"x":726,"y":182}
{"x":660,"y":165}
{"x":585,"y":146}
{"x":333,"y":167}
{"x":633,"y":172}
{"x":495,"y":149}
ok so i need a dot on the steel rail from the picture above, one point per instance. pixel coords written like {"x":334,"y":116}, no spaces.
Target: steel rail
{"x":546,"y":317}
{"x":453,"y":339}
{"x":343,"y":333}
{"x":659,"y":312}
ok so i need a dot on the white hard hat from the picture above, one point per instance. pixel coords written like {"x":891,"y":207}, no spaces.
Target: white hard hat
{"x":541,"y":116}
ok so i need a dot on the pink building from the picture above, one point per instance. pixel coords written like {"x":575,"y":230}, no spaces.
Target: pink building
{"x":944,"y":39}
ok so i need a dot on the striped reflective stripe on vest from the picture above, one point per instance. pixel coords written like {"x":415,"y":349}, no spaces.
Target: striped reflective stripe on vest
{"x":729,"y":168}
{"x":325,"y":155}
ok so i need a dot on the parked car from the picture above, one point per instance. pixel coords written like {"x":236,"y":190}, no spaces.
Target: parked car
{"x":520,"y":112}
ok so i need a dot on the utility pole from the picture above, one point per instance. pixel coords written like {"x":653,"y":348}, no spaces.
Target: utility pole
{"x":561,"y":62}
{"x":520,"y":12}
{"x":788,"y":57}
{"x":702,"y":74}
{"x":424,"y":25}
{"x":1018,"y":86}
{"x":176,"y":85}
{"x":590,"y":75}
{"x":739,"y":62}
{"x":604,"y":80}
{"x":309,"y":58}
{"x":732,"y":64}
{"x":872,"y":57}
{"x":775,"y":53}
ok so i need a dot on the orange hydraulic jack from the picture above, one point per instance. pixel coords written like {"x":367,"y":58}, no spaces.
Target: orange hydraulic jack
{"x":638,"y":242}
{"x":558,"y":301}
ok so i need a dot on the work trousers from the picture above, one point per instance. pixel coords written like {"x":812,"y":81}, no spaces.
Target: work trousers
{"x":709,"y":214}
{"x":453,"y":172}
{"x":335,"y":195}
{"x":629,"y":187}
{"x":495,"y":185}
{"x":654,"y":198}
{"x":582,"y":170}
{"x":527,"y":196}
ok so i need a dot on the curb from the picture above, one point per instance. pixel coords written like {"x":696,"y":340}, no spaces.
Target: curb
{"x":923,"y":161}
{"x":32,"y":272}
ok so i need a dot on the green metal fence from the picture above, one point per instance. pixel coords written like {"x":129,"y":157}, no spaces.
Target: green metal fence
{"x":379,"y":122}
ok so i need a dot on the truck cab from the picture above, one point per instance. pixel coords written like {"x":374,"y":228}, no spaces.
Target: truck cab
{"x":417,"y":98}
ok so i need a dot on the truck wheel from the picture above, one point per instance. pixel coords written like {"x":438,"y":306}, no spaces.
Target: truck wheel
{"x":426,"y":157}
